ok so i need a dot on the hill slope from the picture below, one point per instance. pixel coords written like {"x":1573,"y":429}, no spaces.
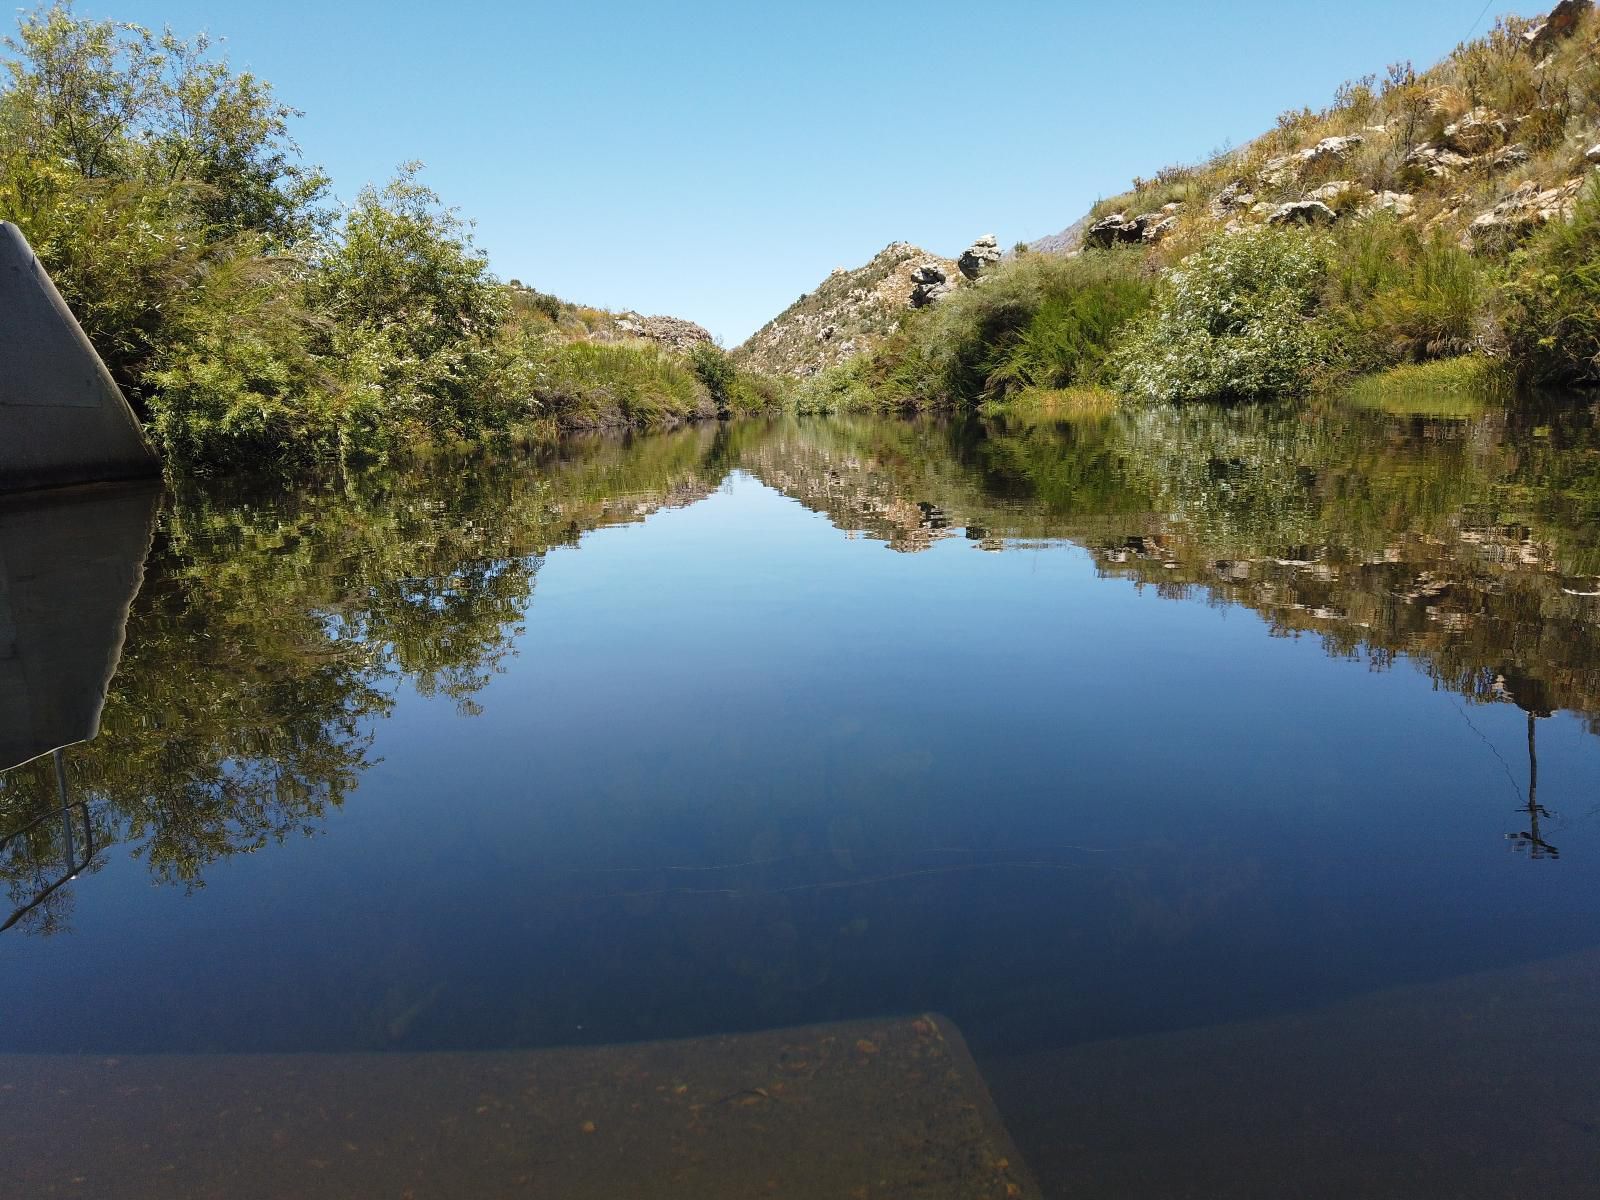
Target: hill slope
{"x":849,"y":311}
{"x":1487,"y":145}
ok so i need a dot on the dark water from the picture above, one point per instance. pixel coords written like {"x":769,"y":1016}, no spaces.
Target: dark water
{"x":1075,"y":734}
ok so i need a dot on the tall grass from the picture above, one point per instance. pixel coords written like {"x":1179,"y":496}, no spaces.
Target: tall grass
{"x":1551,"y":309}
{"x":1036,"y":321}
{"x":594,"y":384}
{"x":1403,"y":294}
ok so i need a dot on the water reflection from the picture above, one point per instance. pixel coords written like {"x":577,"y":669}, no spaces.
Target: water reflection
{"x":275,"y":630}
{"x":730,"y":771}
{"x":70,"y":566}
{"x":69,"y":569}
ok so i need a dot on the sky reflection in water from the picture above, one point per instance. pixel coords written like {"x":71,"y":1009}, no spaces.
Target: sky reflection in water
{"x":657,"y":737}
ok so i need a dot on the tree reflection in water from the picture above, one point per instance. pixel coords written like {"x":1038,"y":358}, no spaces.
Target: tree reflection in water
{"x":274,"y":625}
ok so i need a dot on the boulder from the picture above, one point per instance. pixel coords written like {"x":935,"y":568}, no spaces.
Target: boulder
{"x":1511,"y":156}
{"x":1155,"y":226}
{"x":1108,"y":231}
{"x":1525,"y":210}
{"x":1401,"y":204}
{"x":1559,"y":22}
{"x":1119,"y":228}
{"x":1437,"y":162}
{"x":929,"y":284}
{"x":1330,"y":151}
{"x":1236,"y":197}
{"x":978,"y":257}
{"x":1592,"y":154}
{"x":1475,"y":133}
{"x":1337,"y":189}
{"x":1303,"y":212}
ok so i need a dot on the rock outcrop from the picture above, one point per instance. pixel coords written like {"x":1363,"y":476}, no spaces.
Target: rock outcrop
{"x":1303,"y":212}
{"x":672,"y":332}
{"x":1329,"y":152}
{"x":929,"y":284}
{"x":1559,"y":22}
{"x":1462,"y":162}
{"x":1509,"y":157}
{"x":1436,"y":162}
{"x":1236,"y":197}
{"x":1401,"y":204}
{"x":980,"y":256}
{"x":1522,"y":212}
{"x":1476,"y":132}
{"x":1118,"y":228}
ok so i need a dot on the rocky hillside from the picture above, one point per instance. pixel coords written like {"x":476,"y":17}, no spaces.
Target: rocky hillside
{"x":579,"y":322}
{"x":1489,"y":144}
{"x":851,"y":311}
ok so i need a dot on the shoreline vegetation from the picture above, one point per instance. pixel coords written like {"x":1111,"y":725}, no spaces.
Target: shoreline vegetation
{"x":1433,"y":232}
{"x":249,"y":318}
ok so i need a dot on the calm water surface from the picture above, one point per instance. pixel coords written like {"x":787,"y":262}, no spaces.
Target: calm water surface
{"x":1086,"y":736}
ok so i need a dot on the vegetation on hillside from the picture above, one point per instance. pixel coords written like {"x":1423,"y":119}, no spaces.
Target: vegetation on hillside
{"x":250,"y":318}
{"x":1420,"y":217}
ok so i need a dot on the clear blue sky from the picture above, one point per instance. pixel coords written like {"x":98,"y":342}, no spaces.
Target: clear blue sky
{"x":715,"y":160}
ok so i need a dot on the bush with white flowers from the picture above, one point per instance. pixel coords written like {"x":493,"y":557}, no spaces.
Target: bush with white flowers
{"x":1237,"y":320}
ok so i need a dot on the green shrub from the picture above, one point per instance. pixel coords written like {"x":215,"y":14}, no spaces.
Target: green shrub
{"x":237,"y":380}
{"x":715,"y":371}
{"x":1551,"y":304}
{"x":133,"y":162}
{"x":756,"y":393}
{"x":381,"y":335}
{"x":162,"y":191}
{"x":1238,"y":319}
{"x":839,"y":389}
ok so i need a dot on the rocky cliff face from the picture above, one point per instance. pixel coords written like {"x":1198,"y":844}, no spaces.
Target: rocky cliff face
{"x":849,"y":311}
